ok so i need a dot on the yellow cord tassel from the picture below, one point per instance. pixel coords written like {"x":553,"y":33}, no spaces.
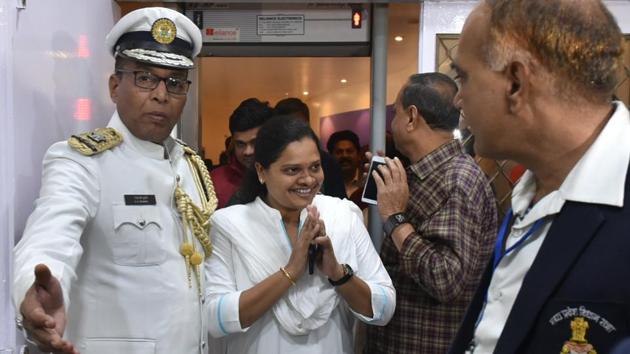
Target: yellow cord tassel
{"x":186,"y":249}
{"x":196,"y":218}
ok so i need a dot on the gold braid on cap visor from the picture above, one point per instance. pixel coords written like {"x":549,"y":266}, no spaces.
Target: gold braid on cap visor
{"x":196,"y":218}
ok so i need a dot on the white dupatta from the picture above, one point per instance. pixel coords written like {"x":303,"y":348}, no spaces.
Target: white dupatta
{"x":258,"y":235}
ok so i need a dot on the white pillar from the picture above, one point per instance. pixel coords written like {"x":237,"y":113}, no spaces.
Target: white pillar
{"x":378,"y":103}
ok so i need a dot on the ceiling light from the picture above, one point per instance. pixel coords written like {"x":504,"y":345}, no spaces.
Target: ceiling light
{"x":343,"y":81}
{"x":398,"y":38}
{"x":305,"y":93}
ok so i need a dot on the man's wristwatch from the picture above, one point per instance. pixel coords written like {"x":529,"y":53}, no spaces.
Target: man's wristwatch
{"x":347,"y":274}
{"x":392,"y":222}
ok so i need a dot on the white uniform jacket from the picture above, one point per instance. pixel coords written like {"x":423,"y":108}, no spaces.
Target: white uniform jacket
{"x":124,"y":281}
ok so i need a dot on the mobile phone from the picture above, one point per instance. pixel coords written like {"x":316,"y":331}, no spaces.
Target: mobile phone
{"x":312,"y":256}
{"x":369,"y":190}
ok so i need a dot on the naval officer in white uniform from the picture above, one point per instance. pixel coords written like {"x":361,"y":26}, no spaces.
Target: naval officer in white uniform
{"x":112,"y":257}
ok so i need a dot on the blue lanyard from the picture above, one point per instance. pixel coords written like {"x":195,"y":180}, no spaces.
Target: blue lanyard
{"x":499,"y":251}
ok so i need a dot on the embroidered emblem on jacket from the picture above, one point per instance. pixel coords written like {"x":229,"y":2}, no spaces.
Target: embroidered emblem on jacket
{"x":582,"y":311}
{"x":578,"y":343}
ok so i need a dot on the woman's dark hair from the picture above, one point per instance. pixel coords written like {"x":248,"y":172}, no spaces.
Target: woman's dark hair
{"x":271,"y":141}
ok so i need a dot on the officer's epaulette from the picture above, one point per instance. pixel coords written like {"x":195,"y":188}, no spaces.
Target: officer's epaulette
{"x":96,"y":141}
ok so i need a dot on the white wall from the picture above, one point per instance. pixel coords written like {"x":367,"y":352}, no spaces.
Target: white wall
{"x":52,"y":54}
{"x":439,"y":17}
{"x":449,"y":17}
{"x":7,"y":330}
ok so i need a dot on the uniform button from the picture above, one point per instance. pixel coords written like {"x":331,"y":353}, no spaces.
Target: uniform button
{"x":203,"y":300}
{"x":141,"y":222}
{"x":493,"y":293}
{"x":177,"y":178}
{"x":203,"y":345}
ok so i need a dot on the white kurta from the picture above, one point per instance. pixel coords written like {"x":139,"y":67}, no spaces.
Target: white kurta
{"x":228,"y":276}
{"x":123,"y":279}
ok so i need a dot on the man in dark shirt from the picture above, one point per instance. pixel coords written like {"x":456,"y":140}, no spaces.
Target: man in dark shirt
{"x":439,"y":218}
{"x":344,"y":146}
{"x":245,"y":121}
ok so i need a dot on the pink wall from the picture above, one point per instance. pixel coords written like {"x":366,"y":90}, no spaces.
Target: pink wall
{"x":356,"y":121}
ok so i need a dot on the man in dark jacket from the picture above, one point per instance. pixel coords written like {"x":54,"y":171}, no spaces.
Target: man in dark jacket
{"x":537,"y":77}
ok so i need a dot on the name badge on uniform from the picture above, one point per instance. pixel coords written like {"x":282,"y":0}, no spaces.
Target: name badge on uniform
{"x":139,"y":199}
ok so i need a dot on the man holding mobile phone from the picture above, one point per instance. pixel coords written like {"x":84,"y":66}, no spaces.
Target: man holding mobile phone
{"x":440,"y":221}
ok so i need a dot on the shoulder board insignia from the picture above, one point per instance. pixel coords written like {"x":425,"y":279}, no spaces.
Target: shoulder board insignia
{"x":96,"y":141}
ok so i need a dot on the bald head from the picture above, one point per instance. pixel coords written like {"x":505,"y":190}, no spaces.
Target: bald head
{"x":577,"y":42}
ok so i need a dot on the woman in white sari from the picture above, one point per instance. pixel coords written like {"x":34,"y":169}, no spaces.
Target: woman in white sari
{"x":261,"y":295}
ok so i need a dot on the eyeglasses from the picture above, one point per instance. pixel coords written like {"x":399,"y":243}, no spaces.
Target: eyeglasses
{"x":147,"y":80}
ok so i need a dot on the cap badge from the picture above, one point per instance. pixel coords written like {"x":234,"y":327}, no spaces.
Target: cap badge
{"x":578,"y":343}
{"x":163,"y":31}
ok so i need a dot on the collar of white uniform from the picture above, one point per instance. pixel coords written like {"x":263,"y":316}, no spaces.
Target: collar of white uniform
{"x":597,"y":178}
{"x":146,"y":148}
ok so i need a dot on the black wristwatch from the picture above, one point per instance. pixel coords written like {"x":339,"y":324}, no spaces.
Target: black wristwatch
{"x":347,"y":274}
{"x":392,"y":222}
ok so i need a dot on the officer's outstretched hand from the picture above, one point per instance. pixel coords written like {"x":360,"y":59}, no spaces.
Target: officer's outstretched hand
{"x":44,"y":313}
